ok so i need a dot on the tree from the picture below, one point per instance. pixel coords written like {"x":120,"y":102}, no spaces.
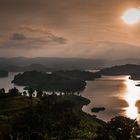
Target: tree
{"x":2,"y":92}
{"x":24,"y":93}
{"x":121,"y":127}
{"x":31,"y":92}
{"x":14,"y":91}
{"x":39,"y":93}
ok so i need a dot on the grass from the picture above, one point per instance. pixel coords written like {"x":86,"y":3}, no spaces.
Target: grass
{"x":16,"y":103}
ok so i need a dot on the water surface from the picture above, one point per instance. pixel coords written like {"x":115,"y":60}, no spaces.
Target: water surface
{"x":6,"y":82}
{"x":118,"y":94}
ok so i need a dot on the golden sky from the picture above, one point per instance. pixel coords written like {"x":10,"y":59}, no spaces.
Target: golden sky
{"x":68,"y":28}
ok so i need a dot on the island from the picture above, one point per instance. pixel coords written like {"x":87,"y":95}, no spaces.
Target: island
{"x":97,"y":109}
{"x":80,"y":75}
{"x":135,"y":76}
{"x":127,"y":69}
{"x":60,"y":81}
{"x":3,"y":73}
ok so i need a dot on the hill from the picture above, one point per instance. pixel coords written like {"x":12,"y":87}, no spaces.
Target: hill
{"x":24,"y":64}
{"x":127,"y":69}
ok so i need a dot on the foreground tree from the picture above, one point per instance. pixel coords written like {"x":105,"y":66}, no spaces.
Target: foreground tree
{"x":2,"y":93}
{"x":30,"y":92}
{"x":14,"y":91}
{"x":39,"y":93}
{"x":121,"y":127}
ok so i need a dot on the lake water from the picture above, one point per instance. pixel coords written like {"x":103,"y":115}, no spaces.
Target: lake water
{"x":6,"y":82}
{"x":118,"y":94}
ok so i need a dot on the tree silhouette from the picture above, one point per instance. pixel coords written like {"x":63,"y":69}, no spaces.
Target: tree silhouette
{"x":24,"y":93}
{"x":39,"y":93}
{"x":122,"y":127}
{"x":2,"y":92}
{"x":30,"y":92}
{"x":14,"y":91}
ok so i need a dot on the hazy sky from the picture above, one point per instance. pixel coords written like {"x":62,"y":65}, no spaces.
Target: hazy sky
{"x":68,"y":28}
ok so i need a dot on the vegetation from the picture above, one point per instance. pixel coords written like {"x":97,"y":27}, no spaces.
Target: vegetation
{"x":3,"y":73}
{"x":127,"y":69}
{"x":52,"y":117}
{"x":135,"y":76}
{"x":81,"y":75}
{"x":61,"y":81}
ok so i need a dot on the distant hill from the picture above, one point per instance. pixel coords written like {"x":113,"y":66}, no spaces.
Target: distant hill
{"x":17,"y":64}
{"x":53,"y":64}
{"x":37,"y":67}
{"x":127,"y":69}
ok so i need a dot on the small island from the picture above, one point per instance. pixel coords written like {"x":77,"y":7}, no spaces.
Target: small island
{"x":97,"y":109}
{"x":3,"y":73}
{"x":60,"y":81}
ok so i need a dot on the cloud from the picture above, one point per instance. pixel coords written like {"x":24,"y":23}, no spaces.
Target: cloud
{"x":46,"y":24}
{"x":18,"y":36}
{"x":20,"y":40}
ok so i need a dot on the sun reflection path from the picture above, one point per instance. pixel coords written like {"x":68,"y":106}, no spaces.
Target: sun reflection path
{"x":132,"y":95}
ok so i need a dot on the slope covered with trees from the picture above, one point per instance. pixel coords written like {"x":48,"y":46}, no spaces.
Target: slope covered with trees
{"x":61,"y":81}
{"x":52,"y":117}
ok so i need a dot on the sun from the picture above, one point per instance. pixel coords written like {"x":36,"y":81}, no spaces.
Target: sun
{"x":131,"y":16}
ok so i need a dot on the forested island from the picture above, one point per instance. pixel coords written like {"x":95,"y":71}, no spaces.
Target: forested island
{"x":127,"y":69}
{"x":60,"y":81}
{"x":3,"y":73}
{"x":132,"y":70}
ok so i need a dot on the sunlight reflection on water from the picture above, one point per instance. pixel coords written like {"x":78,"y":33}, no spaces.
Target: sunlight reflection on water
{"x":118,"y":94}
{"x":132,"y":95}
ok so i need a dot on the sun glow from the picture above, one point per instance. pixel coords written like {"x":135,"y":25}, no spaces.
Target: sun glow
{"x":132,"y":16}
{"x":132,"y":96}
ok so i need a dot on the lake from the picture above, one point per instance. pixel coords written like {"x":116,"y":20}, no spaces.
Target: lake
{"x":6,"y":82}
{"x":118,"y":94}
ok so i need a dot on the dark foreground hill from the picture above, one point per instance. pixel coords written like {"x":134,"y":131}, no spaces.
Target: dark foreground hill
{"x":52,"y":117}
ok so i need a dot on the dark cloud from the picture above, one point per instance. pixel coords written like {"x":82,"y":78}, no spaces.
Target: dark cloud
{"x":18,"y":36}
{"x":19,"y":40}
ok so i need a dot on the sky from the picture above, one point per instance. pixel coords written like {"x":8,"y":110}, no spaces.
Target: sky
{"x":68,"y":28}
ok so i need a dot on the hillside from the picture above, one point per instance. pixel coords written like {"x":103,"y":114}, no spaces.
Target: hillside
{"x":127,"y":69}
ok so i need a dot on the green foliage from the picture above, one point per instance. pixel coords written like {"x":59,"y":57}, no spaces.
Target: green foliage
{"x":121,"y":127}
{"x":61,"y":81}
{"x":53,"y":117}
